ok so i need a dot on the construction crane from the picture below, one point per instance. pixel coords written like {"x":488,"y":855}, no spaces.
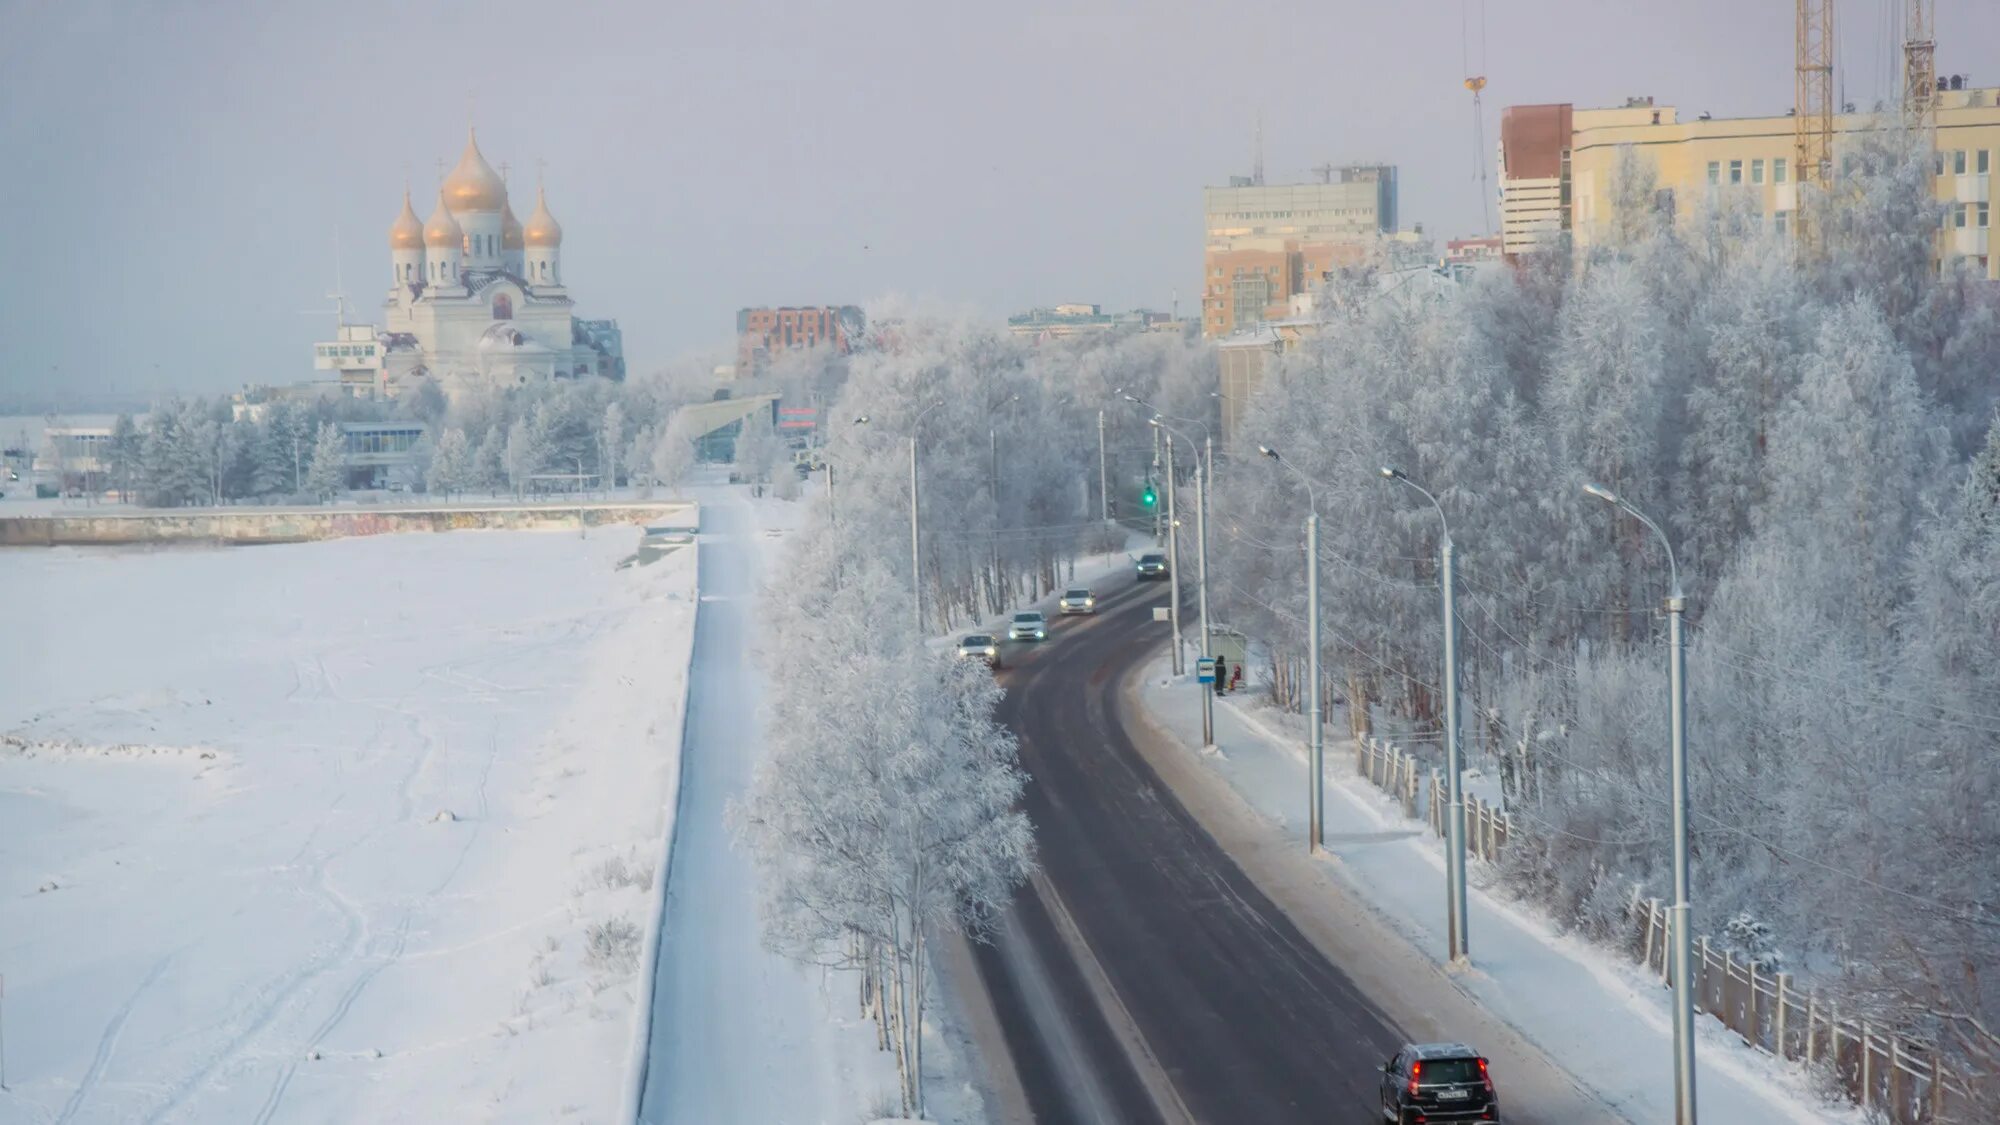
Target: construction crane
{"x":1813,"y":163}
{"x":1920,"y":67}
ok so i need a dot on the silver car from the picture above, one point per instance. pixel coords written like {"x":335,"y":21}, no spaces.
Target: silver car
{"x":1029,"y":625}
{"x":980,"y":646}
{"x":1079,"y":600}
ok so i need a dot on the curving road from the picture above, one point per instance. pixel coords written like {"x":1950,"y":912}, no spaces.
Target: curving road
{"x":1146,"y":977}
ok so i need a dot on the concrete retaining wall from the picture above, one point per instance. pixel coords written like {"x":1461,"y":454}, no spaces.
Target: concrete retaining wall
{"x":303,"y":525}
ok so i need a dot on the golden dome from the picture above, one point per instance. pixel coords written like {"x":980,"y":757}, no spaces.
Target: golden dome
{"x":510,"y":229}
{"x":474,"y":185}
{"x":406,"y":233}
{"x":442,"y":230}
{"x":542,"y":229}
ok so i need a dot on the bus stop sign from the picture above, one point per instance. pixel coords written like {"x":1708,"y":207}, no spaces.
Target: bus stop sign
{"x":1204,"y":670}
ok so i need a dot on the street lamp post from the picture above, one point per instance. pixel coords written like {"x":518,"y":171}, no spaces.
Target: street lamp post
{"x":1316,"y":784}
{"x":1173,"y":555}
{"x":1455,"y":919}
{"x":1103,"y":477}
{"x":1202,"y":483}
{"x":1680,"y":931}
{"x":916,"y":555}
{"x":832,"y":514}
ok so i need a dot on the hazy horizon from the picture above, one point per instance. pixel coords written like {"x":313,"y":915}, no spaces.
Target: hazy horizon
{"x":179,"y":178}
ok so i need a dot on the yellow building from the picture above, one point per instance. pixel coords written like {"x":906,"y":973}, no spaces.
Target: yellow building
{"x":1700,"y":160}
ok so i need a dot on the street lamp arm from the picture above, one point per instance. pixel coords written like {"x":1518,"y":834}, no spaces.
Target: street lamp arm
{"x":1312,"y":496}
{"x":1398,"y":474}
{"x":1610,"y":497}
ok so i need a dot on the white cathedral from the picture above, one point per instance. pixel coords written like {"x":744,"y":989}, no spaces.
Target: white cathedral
{"x":477,"y":298}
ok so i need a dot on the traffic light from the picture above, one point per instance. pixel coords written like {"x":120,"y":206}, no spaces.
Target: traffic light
{"x":1149,"y":497}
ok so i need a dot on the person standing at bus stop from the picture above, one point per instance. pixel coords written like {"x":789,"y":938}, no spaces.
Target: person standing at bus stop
{"x":1221,"y":676}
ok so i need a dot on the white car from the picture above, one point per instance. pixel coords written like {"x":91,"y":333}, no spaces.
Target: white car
{"x":1079,"y":600}
{"x":980,"y":646}
{"x":1029,"y":625}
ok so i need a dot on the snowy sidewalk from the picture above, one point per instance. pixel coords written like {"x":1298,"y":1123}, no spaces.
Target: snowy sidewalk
{"x":1606,"y":1021}
{"x":739,"y":1033}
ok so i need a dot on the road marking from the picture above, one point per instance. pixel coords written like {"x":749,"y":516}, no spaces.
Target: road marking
{"x":1152,"y":1075}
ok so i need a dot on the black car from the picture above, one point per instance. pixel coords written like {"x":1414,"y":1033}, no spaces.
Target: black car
{"x":1152,"y":566}
{"x":1429,"y":1083}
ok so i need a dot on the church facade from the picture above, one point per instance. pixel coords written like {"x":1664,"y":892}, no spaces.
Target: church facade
{"x":477,"y":298}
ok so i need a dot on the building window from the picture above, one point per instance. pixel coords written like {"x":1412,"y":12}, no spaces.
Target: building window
{"x":1958,"y":215}
{"x":1714,"y":171}
{"x":1736,"y":171}
{"x":1778,"y":170}
{"x":1979,"y":215}
{"x":1782,"y":222}
{"x":503,"y":307}
{"x":1982,"y":156}
{"x":1958,"y":162}
{"x":1756,"y":171}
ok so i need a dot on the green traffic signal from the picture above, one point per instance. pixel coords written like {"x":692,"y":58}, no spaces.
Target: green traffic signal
{"x":1148,"y":498}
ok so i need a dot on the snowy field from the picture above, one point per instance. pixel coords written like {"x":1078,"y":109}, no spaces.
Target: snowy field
{"x":350,"y":831}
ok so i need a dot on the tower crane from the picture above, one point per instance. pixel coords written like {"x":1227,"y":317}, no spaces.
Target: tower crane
{"x":1813,"y":163}
{"x":1920,"y":66}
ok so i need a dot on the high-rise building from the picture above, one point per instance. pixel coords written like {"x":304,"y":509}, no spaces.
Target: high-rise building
{"x":476,"y":299}
{"x":763,"y":333}
{"x":1267,"y":243}
{"x":1559,"y":166}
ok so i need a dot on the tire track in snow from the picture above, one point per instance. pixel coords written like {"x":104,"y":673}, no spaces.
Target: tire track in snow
{"x":279,"y":994}
{"x":108,"y":1043}
{"x":326,"y":1027}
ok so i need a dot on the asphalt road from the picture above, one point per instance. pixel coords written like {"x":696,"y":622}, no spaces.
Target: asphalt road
{"x":1234,"y":1014}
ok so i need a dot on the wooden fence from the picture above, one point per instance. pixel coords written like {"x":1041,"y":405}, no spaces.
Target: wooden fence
{"x":1901,"y":1079}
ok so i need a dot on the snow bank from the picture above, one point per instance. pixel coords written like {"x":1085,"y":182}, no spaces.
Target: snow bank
{"x":411,"y":881}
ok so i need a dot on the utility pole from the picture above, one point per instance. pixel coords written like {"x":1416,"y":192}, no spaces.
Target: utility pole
{"x":1201,"y":488}
{"x":1679,"y":917}
{"x":1316,"y":782}
{"x":993,"y":442}
{"x":1103,"y":477}
{"x":1316,"y":815}
{"x":1173,"y":558}
{"x":1156,"y":473}
{"x":1204,"y":469}
{"x":1455,"y":921}
{"x":916,"y":557}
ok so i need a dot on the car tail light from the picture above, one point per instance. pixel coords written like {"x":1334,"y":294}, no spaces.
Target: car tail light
{"x":1485,"y":1077}
{"x":1416,"y":1073}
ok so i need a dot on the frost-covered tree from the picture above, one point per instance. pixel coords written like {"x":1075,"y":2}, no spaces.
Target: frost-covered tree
{"x":525,"y":453}
{"x":610,"y":444}
{"x":639,"y":458}
{"x":450,"y":471}
{"x":326,"y":474}
{"x":489,"y":461}
{"x":124,"y":456}
{"x":757,"y":448}
{"x":672,"y":454}
{"x":884,"y":813}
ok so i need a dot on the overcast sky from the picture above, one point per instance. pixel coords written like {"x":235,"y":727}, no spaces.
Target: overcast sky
{"x":173,"y":175}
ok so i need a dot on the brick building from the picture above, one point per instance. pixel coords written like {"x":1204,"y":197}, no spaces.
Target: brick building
{"x":764,"y":332}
